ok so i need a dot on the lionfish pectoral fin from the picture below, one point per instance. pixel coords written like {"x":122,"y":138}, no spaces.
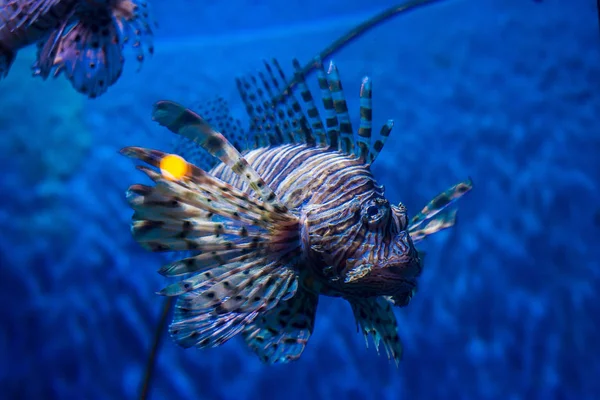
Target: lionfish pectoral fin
{"x":227,"y":299}
{"x":246,"y":249}
{"x":280,"y":335}
{"x":435,"y":216}
{"x":185,"y":122}
{"x":217,"y":113}
{"x":375,"y":317}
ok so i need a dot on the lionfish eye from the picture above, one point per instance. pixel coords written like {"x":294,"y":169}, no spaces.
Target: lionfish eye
{"x":375,"y":211}
{"x":372,"y":211}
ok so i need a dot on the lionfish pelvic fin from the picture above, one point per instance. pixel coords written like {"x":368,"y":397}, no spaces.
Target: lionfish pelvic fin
{"x":375,"y":317}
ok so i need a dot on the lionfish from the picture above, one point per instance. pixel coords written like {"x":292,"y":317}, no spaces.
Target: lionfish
{"x":84,"y":39}
{"x":293,"y":212}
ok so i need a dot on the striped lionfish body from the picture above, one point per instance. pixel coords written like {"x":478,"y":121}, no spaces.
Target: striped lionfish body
{"x":291,"y":212}
{"x":84,"y":39}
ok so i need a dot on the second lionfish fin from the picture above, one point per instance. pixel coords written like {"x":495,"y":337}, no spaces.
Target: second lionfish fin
{"x":185,"y":122}
{"x":245,"y":248}
{"x":90,"y":51}
{"x":280,"y":335}
{"x":435,"y":216}
{"x":375,"y":317}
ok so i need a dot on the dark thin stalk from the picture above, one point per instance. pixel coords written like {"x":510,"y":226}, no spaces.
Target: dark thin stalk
{"x":156,"y":341}
{"x":351,"y":35}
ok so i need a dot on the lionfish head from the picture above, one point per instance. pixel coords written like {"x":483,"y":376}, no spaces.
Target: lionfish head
{"x":368,"y":250}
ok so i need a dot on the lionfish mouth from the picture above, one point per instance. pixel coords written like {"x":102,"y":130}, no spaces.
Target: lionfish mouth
{"x":405,"y":269}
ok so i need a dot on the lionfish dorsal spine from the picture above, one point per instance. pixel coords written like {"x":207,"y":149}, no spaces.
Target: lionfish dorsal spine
{"x":331,"y":120}
{"x":312,"y":113}
{"x":278,"y":119}
{"x":273,"y":124}
{"x":341,"y":109}
{"x":293,"y":112}
{"x":363,"y":140}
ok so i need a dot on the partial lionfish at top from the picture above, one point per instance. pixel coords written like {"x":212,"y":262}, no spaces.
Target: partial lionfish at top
{"x":84,"y":39}
{"x":288,"y":213}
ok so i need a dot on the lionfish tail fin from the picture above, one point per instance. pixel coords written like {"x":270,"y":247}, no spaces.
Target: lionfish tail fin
{"x":245,"y":248}
{"x":280,"y":335}
{"x":436,"y":215}
{"x":375,"y":317}
{"x":88,"y":46}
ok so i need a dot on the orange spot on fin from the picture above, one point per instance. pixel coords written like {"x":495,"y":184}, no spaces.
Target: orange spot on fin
{"x":173,"y":167}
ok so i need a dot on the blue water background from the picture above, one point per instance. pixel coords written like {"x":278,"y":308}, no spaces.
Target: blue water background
{"x":503,"y":91}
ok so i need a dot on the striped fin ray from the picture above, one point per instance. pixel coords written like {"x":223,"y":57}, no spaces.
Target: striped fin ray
{"x":185,"y":122}
{"x":341,"y":109}
{"x":246,"y":249}
{"x":312,"y":112}
{"x":340,"y":133}
{"x":289,"y":111}
{"x":434,"y":217}
{"x":331,"y":121}
{"x":375,"y":317}
{"x":365,"y":129}
{"x":282,"y":122}
{"x":229,"y":300}
{"x":378,"y":143}
{"x":263,"y":129}
{"x":280,"y":335}
{"x":217,"y":113}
